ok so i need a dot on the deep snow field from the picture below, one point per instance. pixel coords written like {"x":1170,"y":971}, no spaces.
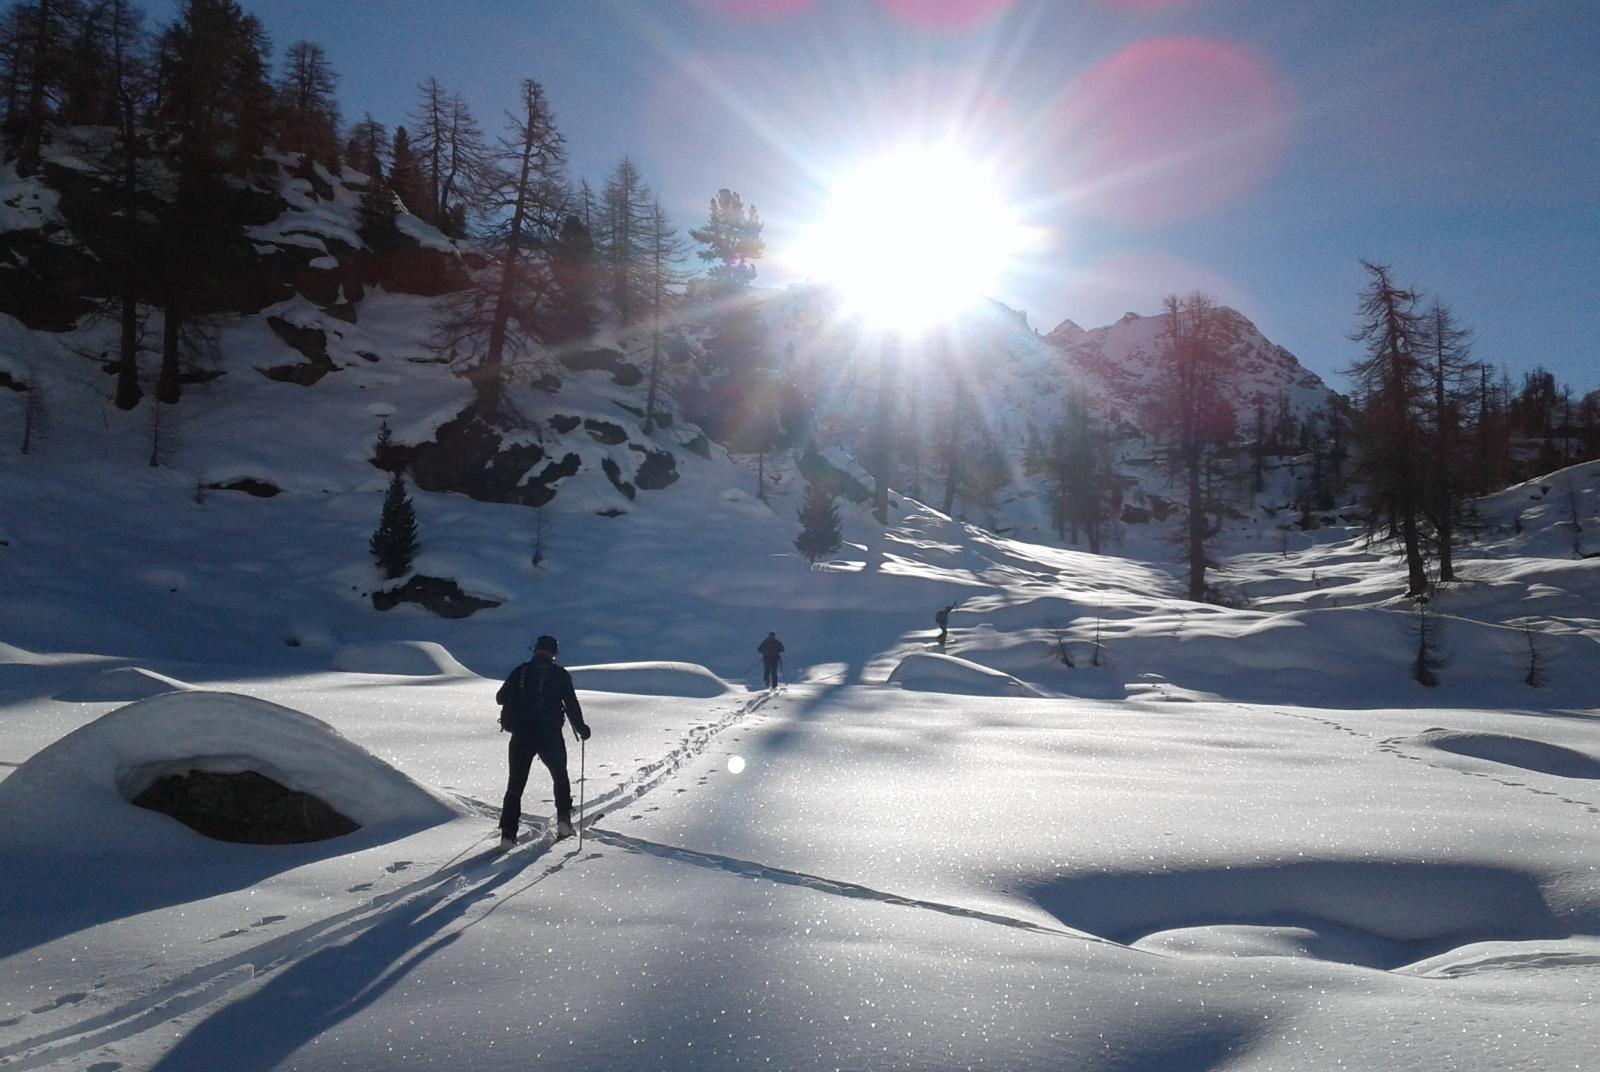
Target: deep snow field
{"x":1246,"y":840}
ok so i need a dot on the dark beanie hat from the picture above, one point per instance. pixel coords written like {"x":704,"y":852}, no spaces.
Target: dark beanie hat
{"x":546,"y":643}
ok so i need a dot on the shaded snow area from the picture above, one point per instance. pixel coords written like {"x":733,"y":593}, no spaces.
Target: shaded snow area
{"x":1101,"y":828}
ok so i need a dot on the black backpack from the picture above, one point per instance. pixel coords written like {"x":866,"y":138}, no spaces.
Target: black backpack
{"x":534,"y":704}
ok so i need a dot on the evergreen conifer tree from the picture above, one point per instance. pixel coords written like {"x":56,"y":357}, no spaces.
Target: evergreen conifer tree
{"x":819,"y":523}
{"x":394,"y":543}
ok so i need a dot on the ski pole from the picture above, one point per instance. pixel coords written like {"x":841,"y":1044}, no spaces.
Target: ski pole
{"x":583,"y":784}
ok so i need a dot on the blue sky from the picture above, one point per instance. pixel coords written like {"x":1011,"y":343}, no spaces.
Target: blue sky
{"x":1254,"y":149}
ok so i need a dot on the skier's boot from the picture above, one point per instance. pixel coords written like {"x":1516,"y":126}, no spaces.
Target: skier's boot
{"x":563,"y":828}
{"x":506,"y":841}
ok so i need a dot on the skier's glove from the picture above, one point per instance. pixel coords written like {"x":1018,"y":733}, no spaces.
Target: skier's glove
{"x":583,"y":732}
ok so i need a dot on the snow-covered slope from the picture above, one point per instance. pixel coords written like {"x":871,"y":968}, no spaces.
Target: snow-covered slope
{"x":1103,"y":828}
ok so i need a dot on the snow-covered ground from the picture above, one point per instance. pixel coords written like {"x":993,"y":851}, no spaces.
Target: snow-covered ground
{"x":1222,"y":838}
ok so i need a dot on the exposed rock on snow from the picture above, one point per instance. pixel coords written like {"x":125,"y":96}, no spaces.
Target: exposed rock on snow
{"x":122,"y":685}
{"x":244,"y":807}
{"x":930,"y":672}
{"x":410,"y":658}
{"x":650,"y":679}
{"x":441,"y":595}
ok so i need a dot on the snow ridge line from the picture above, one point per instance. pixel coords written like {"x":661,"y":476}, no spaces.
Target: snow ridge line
{"x":206,"y":983}
{"x":837,"y":887}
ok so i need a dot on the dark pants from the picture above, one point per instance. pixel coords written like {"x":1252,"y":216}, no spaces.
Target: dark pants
{"x":769,"y":673}
{"x":551,"y":748}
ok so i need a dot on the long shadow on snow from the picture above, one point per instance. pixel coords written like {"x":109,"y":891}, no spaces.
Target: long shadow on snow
{"x":332,"y":984}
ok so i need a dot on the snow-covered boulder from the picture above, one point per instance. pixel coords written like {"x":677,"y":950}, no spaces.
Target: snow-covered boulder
{"x":930,"y":672}
{"x":73,"y":797}
{"x":650,"y":679}
{"x":407,"y":658}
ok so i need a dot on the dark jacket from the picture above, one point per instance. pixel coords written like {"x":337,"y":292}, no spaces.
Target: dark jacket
{"x":536,"y":697}
{"x":770,"y":649}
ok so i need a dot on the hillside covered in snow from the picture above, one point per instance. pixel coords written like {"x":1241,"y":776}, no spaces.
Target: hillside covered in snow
{"x":1103,"y":826}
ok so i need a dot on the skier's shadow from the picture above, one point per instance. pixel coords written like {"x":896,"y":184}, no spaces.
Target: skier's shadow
{"x":332,"y":984}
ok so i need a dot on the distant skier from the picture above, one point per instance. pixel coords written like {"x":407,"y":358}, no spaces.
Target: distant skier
{"x":534,"y":701}
{"x":771,"y":650}
{"x":942,"y":618}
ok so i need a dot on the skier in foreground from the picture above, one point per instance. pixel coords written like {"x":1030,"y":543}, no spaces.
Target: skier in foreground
{"x":771,"y":650}
{"x":534,"y":701}
{"x":942,"y":620}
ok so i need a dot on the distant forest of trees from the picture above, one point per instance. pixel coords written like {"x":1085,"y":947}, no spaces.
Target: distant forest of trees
{"x":190,"y":112}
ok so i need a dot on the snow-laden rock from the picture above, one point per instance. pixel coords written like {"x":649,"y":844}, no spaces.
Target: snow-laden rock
{"x":73,"y":797}
{"x":945,"y":673}
{"x":650,"y":679}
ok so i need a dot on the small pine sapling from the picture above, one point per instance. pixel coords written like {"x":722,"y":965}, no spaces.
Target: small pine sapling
{"x":1537,"y":676}
{"x":394,"y":543}
{"x":1061,"y":647}
{"x":538,"y":536}
{"x":1099,"y":658}
{"x":34,"y":413}
{"x":819,"y":524}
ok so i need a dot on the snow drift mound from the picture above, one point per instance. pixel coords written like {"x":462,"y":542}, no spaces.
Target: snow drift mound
{"x":650,"y":679}
{"x":75,"y":795}
{"x":406,"y":658}
{"x":122,"y":685}
{"x":1510,"y":751}
{"x":929,"y":672}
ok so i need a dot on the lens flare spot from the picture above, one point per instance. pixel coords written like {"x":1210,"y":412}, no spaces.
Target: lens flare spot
{"x":1169,"y":129}
{"x":735,"y":764}
{"x":949,"y":16}
{"x":755,"y":10}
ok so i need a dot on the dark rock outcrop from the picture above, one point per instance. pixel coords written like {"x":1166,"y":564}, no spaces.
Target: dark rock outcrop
{"x":261,"y":489}
{"x":244,"y":807}
{"x":441,"y":595}
{"x":311,"y":343}
{"x":658,"y":470}
{"x":613,"y":473}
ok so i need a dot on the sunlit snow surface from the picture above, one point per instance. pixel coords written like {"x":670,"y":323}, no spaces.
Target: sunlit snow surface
{"x":1221,"y":838}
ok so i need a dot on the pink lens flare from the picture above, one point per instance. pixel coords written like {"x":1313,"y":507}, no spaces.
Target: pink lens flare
{"x":755,"y":10}
{"x":1171,"y":128}
{"x":949,"y":16}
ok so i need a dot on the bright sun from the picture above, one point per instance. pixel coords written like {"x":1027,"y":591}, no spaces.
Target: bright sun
{"x":913,"y":237}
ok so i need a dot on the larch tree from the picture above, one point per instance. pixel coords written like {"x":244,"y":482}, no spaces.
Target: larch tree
{"x":308,"y":111}
{"x":1392,"y":384}
{"x":625,"y":242}
{"x":367,"y":148}
{"x":405,"y":175}
{"x":1448,"y":364}
{"x":666,"y":252}
{"x":214,"y":108}
{"x":1192,"y":413}
{"x":734,"y":364}
{"x":525,"y":194}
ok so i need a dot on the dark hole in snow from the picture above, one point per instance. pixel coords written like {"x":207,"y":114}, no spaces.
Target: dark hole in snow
{"x":246,"y":807}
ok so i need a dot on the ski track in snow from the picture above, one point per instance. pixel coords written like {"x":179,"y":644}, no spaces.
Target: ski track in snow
{"x":455,"y":879}
{"x":750,"y":869}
